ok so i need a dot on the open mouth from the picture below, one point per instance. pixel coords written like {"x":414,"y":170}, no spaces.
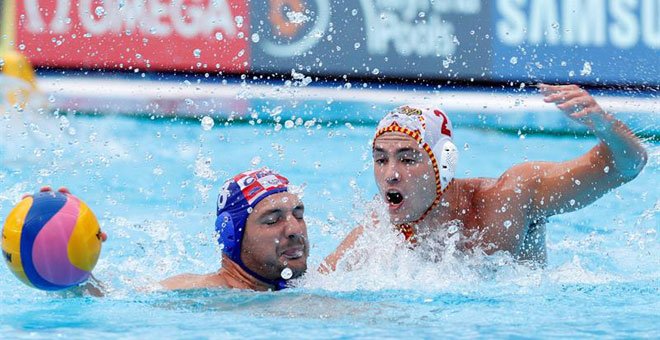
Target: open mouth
{"x":394,"y":197}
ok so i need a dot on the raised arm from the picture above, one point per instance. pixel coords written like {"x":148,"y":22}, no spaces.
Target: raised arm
{"x":618,"y":158}
{"x":330,"y":263}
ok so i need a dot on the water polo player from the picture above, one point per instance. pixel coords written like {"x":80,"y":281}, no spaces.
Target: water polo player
{"x":262,"y":232}
{"x":414,"y":161}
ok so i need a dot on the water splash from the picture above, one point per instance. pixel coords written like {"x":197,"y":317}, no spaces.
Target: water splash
{"x":382,"y":260}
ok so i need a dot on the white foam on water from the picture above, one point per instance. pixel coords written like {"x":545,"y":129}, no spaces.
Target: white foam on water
{"x":383,"y":260}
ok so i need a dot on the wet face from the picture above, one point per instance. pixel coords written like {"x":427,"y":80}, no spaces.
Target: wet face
{"x":404,"y":175}
{"x":276,"y":237}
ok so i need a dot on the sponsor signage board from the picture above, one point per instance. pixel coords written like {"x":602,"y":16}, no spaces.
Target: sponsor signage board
{"x":585,"y":41}
{"x":592,"y":41}
{"x":143,"y":34}
{"x":370,"y":37}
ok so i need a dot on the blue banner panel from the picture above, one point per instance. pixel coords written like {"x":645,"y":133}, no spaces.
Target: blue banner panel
{"x":584,"y":41}
{"x":393,"y":38}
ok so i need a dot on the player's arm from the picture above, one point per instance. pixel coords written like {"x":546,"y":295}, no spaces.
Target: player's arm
{"x":92,"y":287}
{"x":184,"y":281}
{"x":330,"y":262}
{"x":618,"y":158}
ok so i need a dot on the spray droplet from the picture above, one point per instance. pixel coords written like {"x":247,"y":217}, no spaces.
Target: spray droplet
{"x":158,"y":171}
{"x":507,"y":224}
{"x":64,"y":123}
{"x":606,"y":169}
{"x":276,"y":111}
{"x":197,"y":53}
{"x":513,"y":60}
{"x":286,"y":273}
{"x":586,"y":69}
{"x":99,"y":11}
{"x":255,"y":37}
{"x":219,"y":36}
{"x":207,"y":123}
{"x":239,"y":21}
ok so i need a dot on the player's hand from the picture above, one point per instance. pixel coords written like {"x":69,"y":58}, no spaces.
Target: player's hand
{"x":576,"y":103}
{"x":47,"y":188}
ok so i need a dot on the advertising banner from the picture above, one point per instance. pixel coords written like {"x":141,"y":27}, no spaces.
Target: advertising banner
{"x":145,"y":34}
{"x":592,"y":41}
{"x":583,"y":41}
{"x":431,"y":39}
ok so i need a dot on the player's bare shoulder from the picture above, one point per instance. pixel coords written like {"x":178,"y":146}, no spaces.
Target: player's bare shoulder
{"x":515,"y":186}
{"x":476,"y":188}
{"x":193,"y":281}
{"x":511,"y":189}
{"x":474,"y":192}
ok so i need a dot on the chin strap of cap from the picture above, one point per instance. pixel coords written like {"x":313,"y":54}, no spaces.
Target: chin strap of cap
{"x":279,"y":284}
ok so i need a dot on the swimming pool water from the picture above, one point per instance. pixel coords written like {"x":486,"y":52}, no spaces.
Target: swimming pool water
{"x":152,"y":184}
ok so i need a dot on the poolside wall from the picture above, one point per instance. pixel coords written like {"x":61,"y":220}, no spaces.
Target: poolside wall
{"x":583,"y":41}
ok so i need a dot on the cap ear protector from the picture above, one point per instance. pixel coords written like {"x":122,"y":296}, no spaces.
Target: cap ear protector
{"x":224,"y":226}
{"x":448,"y":154}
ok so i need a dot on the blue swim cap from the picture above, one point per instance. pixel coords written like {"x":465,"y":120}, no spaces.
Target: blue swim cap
{"x":238,"y":197}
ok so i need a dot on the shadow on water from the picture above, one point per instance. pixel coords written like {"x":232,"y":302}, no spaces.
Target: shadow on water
{"x":391,"y":305}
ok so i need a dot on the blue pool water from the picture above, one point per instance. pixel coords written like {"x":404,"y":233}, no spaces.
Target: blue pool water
{"x":152,"y":184}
